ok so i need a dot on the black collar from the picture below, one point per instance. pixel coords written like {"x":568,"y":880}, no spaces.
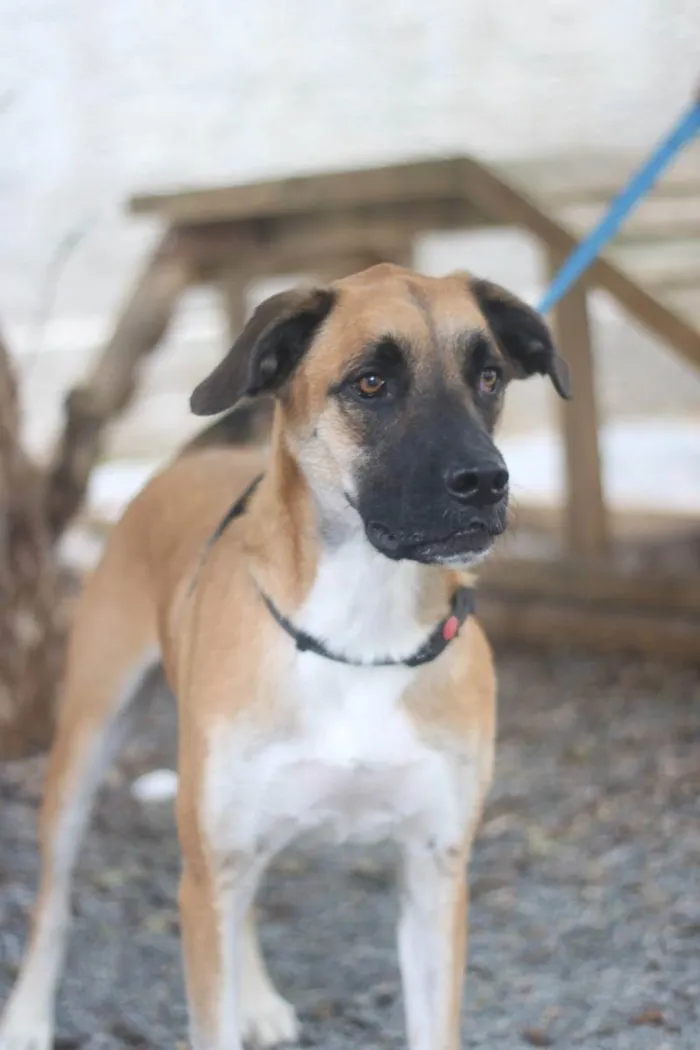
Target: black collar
{"x":461,"y":607}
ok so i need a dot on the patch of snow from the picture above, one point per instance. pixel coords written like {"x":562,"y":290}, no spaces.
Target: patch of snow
{"x":113,"y":486}
{"x":160,"y":785}
{"x":80,"y":549}
{"x":649,"y":465}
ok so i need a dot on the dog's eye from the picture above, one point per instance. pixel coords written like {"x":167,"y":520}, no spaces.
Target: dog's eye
{"x":371,"y":385}
{"x":489,"y":381}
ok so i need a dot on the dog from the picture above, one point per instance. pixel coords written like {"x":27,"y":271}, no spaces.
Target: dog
{"x":313,"y":611}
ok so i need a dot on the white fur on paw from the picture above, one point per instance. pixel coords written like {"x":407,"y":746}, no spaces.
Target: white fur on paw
{"x":160,"y":785}
{"x":268,"y":1019}
{"x":24,"y":1034}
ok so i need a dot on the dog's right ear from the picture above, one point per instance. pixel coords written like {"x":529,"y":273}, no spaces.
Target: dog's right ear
{"x":267,"y":351}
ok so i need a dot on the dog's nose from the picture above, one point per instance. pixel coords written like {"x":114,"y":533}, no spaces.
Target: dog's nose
{"x":477,"y":486}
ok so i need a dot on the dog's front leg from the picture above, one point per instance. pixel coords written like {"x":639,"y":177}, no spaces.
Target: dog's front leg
{"x":215,"y":898}
{"x":230,"y":995}
{"x":432,"y":939}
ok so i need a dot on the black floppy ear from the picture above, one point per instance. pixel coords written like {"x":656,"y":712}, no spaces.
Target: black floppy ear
{"x":266,"y":352}
{"x":522,"y":335}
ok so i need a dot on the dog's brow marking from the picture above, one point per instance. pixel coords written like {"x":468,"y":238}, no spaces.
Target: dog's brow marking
{"x":422,"y":301}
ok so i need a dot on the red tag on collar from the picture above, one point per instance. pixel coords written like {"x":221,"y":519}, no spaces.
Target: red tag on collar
{"x":450,"y":629}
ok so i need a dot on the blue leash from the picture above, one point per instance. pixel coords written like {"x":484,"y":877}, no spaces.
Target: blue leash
{"x":641,"y":182}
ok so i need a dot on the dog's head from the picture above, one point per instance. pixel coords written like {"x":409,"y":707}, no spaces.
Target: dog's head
{"x":390,"y":385}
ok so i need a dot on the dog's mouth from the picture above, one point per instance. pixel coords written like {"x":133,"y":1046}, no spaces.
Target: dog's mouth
{"x":466,"y":544}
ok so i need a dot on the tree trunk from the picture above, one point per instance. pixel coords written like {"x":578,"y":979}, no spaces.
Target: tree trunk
{"x":35,"y":509}
{"x":32,"y":614}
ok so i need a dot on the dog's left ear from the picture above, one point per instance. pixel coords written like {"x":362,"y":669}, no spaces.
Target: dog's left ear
{"x":522,"y":335}
{"x":267,"y":351}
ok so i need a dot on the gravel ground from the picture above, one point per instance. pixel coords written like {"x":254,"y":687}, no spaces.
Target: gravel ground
{"x":585,"y":924}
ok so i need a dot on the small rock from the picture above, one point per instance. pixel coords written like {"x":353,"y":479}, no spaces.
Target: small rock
{"x":160,"y":923}
{"x":385,"y":993}
{"x":651,"y":1017}
{"x":291,"y":865}
{"x":536,"y":955}
{"x":487,"y":884}
{"x":323,"y":1010}
{"x":129,"y":1036}
{"x":358,"y":1019}
{"x":278,"y":911}
{"x":109,"y":878}
{"x":537,"y":1037}
{"x":374,"y":874}
{"x":102,"y":1041}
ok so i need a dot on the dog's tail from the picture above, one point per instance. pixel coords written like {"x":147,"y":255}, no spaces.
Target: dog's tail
{"x":244,"y":426}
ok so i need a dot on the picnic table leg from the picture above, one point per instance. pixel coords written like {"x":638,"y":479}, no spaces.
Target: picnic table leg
{"x":233,"y":287}
{"x":586,"y":522}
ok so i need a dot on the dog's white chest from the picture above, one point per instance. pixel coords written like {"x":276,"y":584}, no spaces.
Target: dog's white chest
{"x":351,"y":762}
{"x":352,"y":767}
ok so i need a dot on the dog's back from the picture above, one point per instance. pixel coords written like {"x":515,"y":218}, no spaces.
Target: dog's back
{"x":168,"y":524}
{"x":152,"y":553}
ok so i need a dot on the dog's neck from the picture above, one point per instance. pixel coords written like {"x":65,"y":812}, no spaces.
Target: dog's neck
{"x":311,"y":556}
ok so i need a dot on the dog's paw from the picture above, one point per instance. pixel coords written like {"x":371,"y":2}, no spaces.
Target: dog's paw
{"x":25,"y":1032}
{"x":267,"y":1019}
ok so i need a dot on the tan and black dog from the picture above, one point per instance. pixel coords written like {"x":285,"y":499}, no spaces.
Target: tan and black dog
{"x":313,"y":613}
